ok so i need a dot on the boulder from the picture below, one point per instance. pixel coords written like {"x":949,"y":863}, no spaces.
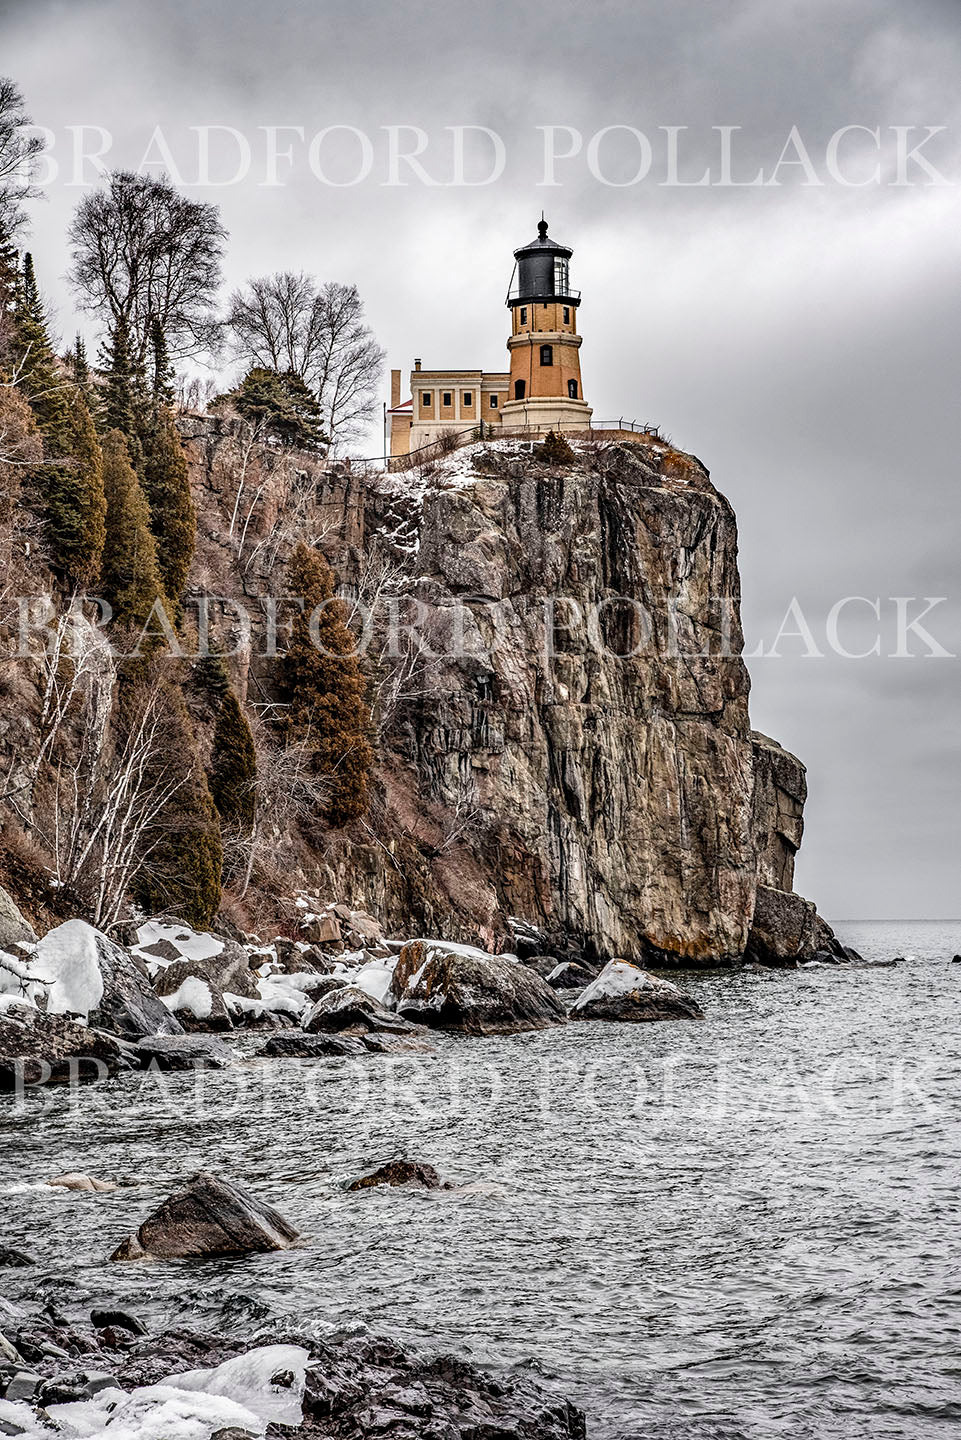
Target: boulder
{"x":224,"y":963}
{"x":352,"y":1011}
{"x":189,"y":992}
{"x":14,"y":929}
{"x":625,"y":992}
{"x":117,"y":1320}
{"x":456,"y":987}
{"x":14,"y":1259}
{"x":787,"y":930}
{"x":183,"y":1052}
{"x":323,"y":985}
{"x":41,"y":1049}
{"x":210,"y":1217}
{"x":401,"y":1172}
{"x":82,"y":972}
{"x":296,"y":1045}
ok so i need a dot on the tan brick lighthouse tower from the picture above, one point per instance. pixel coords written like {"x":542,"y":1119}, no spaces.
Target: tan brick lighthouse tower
{"x":541,"y":392}
{"x":545,"y":375}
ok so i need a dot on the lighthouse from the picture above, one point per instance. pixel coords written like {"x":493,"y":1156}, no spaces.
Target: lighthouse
{"x":544,"y":390}
{"x":540,"y":392}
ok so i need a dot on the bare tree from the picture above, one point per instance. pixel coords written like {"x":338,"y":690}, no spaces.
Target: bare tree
{"x":111,"y":819}
{"x":17,"y":150}
{"x":286,"y":322}
{"x":142,"y":251}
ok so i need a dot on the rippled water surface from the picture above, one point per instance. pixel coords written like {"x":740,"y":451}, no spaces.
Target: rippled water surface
{"x":743,"y":1227}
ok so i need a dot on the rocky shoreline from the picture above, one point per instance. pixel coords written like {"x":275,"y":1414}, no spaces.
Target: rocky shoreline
{"x":77,"y":1006}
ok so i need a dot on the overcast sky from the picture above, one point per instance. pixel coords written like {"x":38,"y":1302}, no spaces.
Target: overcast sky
{"x":802,"y":338}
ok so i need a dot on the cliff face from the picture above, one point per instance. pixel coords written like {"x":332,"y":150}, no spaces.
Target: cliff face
{"x":564,"y":731}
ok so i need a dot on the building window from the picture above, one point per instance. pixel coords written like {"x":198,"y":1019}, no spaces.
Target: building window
{"x":547,"y":354}
{"x":493,"y":402}
{"x":468,"y":399}
{"x":447,"y":398}
{"x":567,"y":314}
{"x":572,"y":389}
{"x":426,"y":399}
{"x":523,"y":314}
{"x":520,"y":389}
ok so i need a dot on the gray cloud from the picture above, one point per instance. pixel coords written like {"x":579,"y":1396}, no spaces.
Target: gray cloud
{"x":801,"y":340}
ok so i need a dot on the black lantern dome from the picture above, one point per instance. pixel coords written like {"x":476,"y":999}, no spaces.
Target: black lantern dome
{"x":542,"y":271}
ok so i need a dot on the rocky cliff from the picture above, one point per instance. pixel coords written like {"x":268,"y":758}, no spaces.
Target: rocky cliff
{"x":561,"y":704}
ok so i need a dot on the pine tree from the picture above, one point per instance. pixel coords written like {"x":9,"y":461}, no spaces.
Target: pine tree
{"x":72,"y":499}
{"x":129,"y":574}
{"x":328,"y":704}
{"x":35,"y":364}
{"x":79,"y":365}
{"x":166,"y":484}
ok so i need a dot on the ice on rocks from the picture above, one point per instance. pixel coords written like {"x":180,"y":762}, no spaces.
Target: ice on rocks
{"x":240,"y":1393}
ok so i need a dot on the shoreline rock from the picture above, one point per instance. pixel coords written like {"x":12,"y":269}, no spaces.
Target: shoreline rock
{"x":210,"y":1217}
{"x":457,"y":987}
{"x":624,"y":992}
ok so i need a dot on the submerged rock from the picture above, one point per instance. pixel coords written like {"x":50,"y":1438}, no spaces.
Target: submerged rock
{"x":87,"y":1184}
{"x":401,"y":1172}
{"x":183,"y":1052}
{"x":41,"y":1049}
{"x":14,"y":1259}
{"x":296,"y":1045}
{"x":210,"y":1217}
{"x":624,"y":992}
{"x":456,"y":987}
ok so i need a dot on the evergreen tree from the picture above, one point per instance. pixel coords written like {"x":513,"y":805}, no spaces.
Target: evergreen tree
{"x":282,"y":406}
{"x":233,"y":766}
{"x":326,"y":688}
{"x":72,"y":499}
{"x":79,"y":365}
{"x":163,"y":375}
{"x":35,"y":364}
{"x":123,"y":394}
{"x":166,"y":484}
{"x":129,"y":574}
{"x":183,"y":874}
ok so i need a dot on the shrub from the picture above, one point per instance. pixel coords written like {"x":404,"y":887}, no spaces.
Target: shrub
{"x":554,"y":450}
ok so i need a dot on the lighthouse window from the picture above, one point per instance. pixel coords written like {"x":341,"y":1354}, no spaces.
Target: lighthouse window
{"x":547,"y":354}
{"x":567,"y":315}
{"x":468,"y":399}
{"x":523,"y":314}
{"x":520,"y":389}
{"x":493,"y":402}
{"x":572,"y":389}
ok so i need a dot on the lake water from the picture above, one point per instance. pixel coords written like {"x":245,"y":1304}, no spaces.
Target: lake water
{"x":745,"y":1227}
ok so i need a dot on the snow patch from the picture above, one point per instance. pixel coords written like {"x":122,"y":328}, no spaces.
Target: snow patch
{"x":192,"y":994}
{"x":192,"y":1406}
